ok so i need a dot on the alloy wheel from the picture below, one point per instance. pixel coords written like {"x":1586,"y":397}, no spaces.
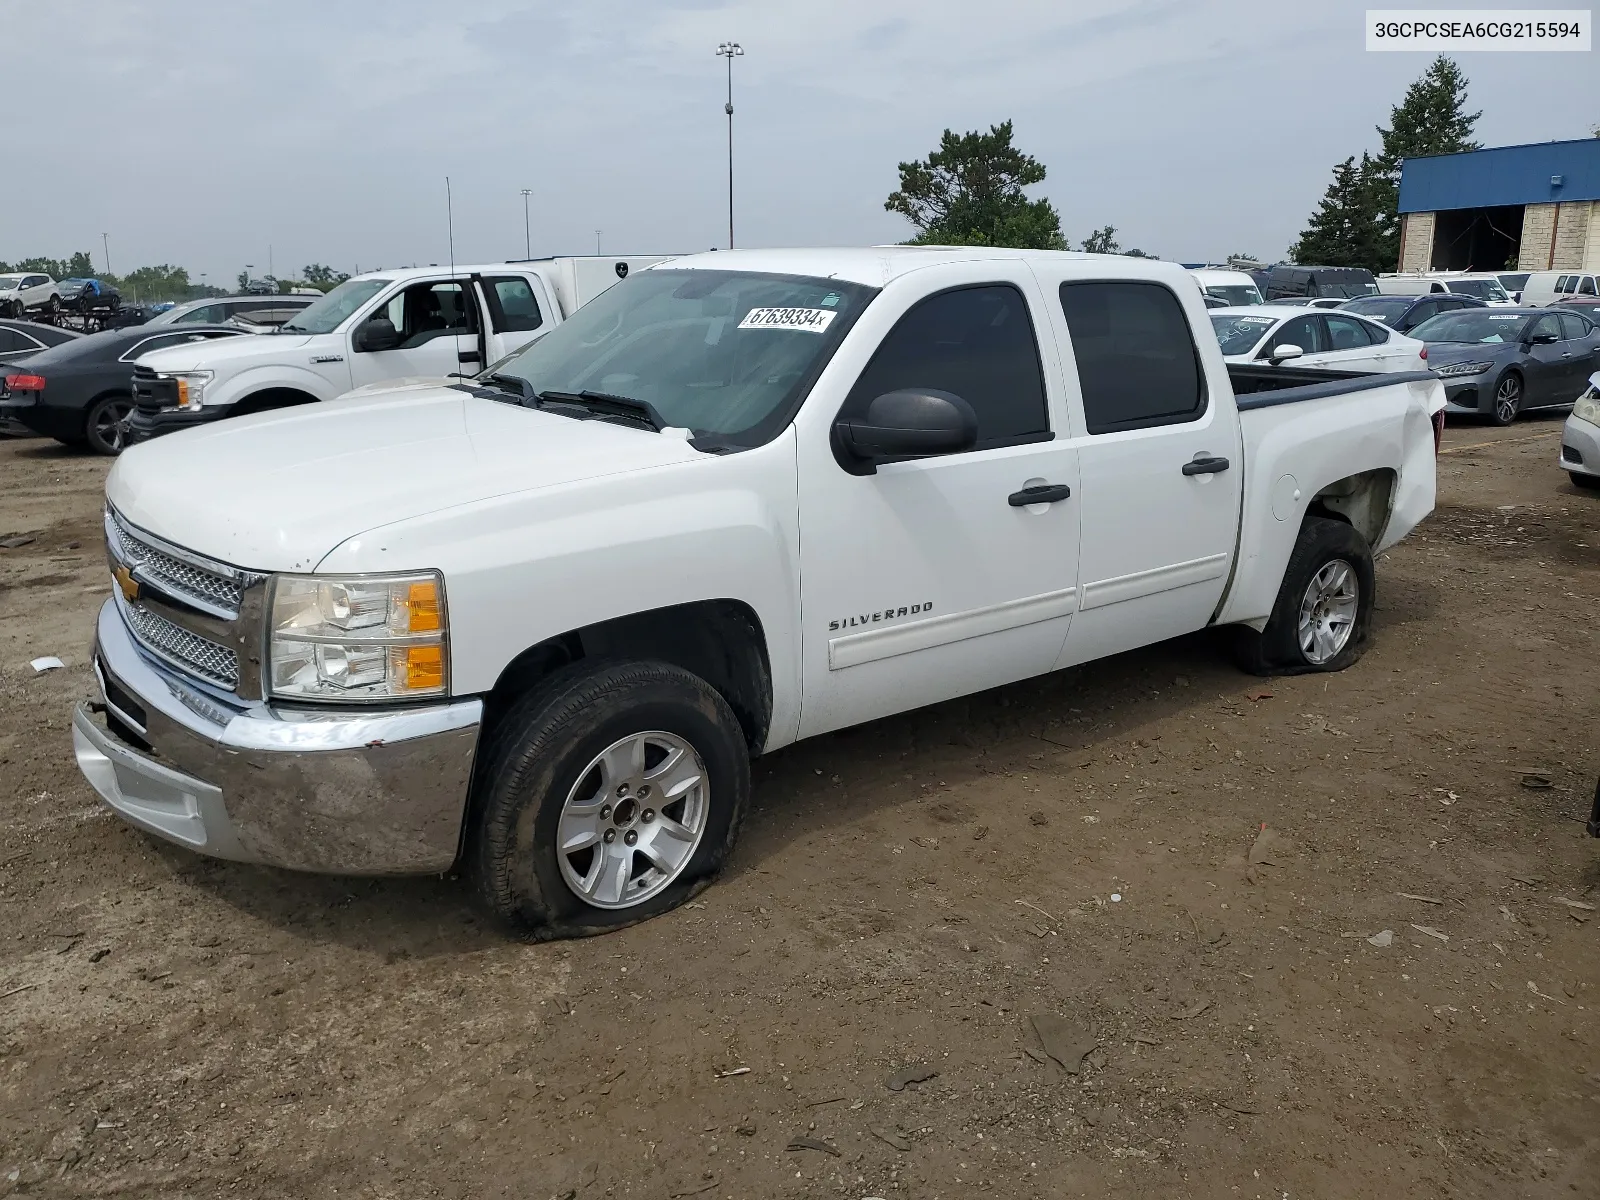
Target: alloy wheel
{"x":1328,"y":612}
{"x":1507,"y":399}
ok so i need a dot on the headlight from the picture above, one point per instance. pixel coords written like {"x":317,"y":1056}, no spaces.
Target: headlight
{"x":1467,"y":368}
{"x":362,"y":637}
{"x":1588,"y":407}
{"x":191,"y":387}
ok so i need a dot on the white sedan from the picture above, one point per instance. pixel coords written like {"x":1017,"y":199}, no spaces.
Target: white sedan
{"x":1339,"y":341}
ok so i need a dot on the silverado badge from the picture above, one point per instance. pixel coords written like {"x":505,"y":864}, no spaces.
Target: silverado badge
{"x":126,"y":582}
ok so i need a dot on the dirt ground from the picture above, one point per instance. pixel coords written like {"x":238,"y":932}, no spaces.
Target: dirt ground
{"x":906,"y":895}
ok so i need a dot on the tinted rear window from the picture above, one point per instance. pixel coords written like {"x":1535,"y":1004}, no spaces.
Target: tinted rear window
{"x":1137,"y":361}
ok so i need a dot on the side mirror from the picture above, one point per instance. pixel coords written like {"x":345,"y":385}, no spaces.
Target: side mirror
{"x":376,"y":333}
{"x":1284,"y":353}
{"x":912,"y":423}
{"x":1542,"y":339}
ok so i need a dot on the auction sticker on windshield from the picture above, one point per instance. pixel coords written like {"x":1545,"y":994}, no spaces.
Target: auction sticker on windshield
{"x":812,"y":320}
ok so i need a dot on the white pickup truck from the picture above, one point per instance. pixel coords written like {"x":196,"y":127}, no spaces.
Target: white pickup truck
{"x":377,"y":328}
{"x":536,"y":623}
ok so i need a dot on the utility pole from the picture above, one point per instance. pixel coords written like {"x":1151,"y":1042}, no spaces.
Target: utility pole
{"x":105,"y":240}
{"x":527,"y":229}
{"x":271,"y":274}
{"x":730,"y":51}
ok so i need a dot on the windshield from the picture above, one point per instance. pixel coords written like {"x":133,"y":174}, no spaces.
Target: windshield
{"x":1239,"y":334}
{"x":1514,"y":283}
{"x":1236,"y":294}
{"x":717,"y":352}
{"x":174,"y":314}
{"x":335,"y":308}
{"x":1387,"y":309}
{"x":10,"y":283}
{"x":1345,"y":287}
{"x":1474,"y":325}
{"x":1482,"y":289}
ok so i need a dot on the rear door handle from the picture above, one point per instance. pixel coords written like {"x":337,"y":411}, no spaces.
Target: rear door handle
{"x":1205,"y":464}
{"x":1044,"y":493}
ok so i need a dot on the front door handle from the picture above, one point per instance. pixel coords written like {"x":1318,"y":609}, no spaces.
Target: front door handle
{"x":1205,"y":464}
{"x":467,"y":356}
{"x":1044,"y":493}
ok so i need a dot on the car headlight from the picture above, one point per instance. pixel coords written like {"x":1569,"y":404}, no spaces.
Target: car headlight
{"x":191,"y":386}
{"x":360,"y":637}
{"x":1466,"y":368}
{"x":1588,"y":406}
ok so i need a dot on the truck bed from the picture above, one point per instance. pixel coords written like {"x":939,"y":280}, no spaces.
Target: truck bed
{"x":1261,"y":386}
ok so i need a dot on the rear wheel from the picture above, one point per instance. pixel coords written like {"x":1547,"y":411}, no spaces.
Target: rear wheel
{"x":1507,"y":399}
{"x":1324,"y":605}
{"x":611,"y":794}
{"x":1587,"y":482}
{"x":106,"y":426}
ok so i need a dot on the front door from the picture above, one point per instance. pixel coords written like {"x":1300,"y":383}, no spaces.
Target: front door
{"x":1160,"y":461}
{"x":934,"y":577}
{"x":437,"y":321}
{"x":516,"y":315}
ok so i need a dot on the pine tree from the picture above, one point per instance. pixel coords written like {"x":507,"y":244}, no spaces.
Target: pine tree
{"x":1347,"y":230}
{"x":1432,"y":118}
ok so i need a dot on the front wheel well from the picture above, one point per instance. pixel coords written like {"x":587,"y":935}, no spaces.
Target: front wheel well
{"x":721,"y":641}
{"x":271,"y":398}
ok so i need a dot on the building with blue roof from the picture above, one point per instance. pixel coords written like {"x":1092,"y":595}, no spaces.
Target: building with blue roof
{"x":1524,"y":208}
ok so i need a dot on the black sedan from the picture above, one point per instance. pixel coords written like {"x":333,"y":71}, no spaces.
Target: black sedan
{"x":20,"y":339}
{"x":81,"y":391}
{"x":1500,"y":362}
{"x":1404,"y":313}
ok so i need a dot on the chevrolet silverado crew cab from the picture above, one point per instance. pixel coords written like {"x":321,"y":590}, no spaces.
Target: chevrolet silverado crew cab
{"x":536,"y":623}
{"x":376,"y":328}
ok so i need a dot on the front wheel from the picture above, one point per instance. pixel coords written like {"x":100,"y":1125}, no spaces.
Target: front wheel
{"x":1587,"y":482}
{"x":611,"y":794}
{"x":1324,"y":606}
{"x":1507,"y":399}
{"x":106,"y":427}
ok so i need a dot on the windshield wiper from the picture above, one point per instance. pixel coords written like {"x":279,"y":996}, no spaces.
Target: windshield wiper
{"x":604,"y":407}
{"x":514,"y":384}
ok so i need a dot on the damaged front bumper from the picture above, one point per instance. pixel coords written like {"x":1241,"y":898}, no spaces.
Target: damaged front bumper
{"x":341,"y":791}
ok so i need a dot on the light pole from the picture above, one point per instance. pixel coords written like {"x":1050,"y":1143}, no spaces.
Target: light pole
{"x":248,"y":267}
{"x":730,"y":51}
{"x":105,"y":240}
{"x":527,"y":229}
{"x":597,"y":233}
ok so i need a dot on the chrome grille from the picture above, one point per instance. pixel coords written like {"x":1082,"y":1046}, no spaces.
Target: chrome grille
{"x":188,"y":650}
{"x":173,"y":574}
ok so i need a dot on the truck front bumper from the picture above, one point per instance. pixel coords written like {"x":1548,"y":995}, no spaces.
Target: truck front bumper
{"x":344,"y":792}
{"x":145,"y":423}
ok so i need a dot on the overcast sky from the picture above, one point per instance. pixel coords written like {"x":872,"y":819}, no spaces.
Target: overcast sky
{"x":201,"y":133}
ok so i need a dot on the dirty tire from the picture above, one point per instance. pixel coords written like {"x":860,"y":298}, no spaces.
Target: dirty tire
{"x":1276,"y":650}
{"x":1588,"y":483}
{"x":542,"y":748}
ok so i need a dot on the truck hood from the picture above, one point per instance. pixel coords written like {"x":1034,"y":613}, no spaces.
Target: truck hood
{"x":229,"y":353}
{"x":277,"y":491}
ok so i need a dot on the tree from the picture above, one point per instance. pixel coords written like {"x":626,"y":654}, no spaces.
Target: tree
{"x":324,"y":277}
{"x":968,"y":192}
{"x":164,"y":282}
{"x":1348,"y":228}
{"x":1102,"y":241}
{"x":244,"y":279}
{"x":1431,"y":118}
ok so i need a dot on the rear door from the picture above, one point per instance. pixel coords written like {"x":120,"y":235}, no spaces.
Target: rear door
{"x":1159,"y":458}
{"x":1351,"y":346}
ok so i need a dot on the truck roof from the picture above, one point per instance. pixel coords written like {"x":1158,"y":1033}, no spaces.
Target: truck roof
{"x":877,"y":265}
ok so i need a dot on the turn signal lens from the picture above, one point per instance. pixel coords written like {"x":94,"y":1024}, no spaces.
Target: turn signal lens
{"x":422,"y":606}
{"x":423,"y":667}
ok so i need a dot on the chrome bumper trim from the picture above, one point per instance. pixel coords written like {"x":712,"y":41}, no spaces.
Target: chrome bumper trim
{"x":335,"y":791}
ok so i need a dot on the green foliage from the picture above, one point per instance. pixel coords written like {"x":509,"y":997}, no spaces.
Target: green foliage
{"x":243,"y":278}
{"x":1102,"y":241}
{"x":968,"y":192}
{"x":321,"y":277}
{"x":1349,"y":229}
{"x":149,"y":284}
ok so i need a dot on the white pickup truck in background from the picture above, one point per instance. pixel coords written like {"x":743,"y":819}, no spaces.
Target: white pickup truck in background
{"x":377,"y":328}
{"x":537,"y":623}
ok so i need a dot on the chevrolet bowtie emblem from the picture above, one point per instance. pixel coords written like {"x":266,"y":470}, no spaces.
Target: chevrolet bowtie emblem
{"x":126,"y":581}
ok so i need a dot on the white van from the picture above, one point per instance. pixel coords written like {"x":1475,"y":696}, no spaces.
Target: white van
{"x":1546,"y":287}
{"x":1234,"y":288}
{"x":1483,"y":287}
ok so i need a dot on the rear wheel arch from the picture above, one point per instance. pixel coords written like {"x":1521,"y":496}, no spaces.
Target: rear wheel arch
{"x":1363,"y":501}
